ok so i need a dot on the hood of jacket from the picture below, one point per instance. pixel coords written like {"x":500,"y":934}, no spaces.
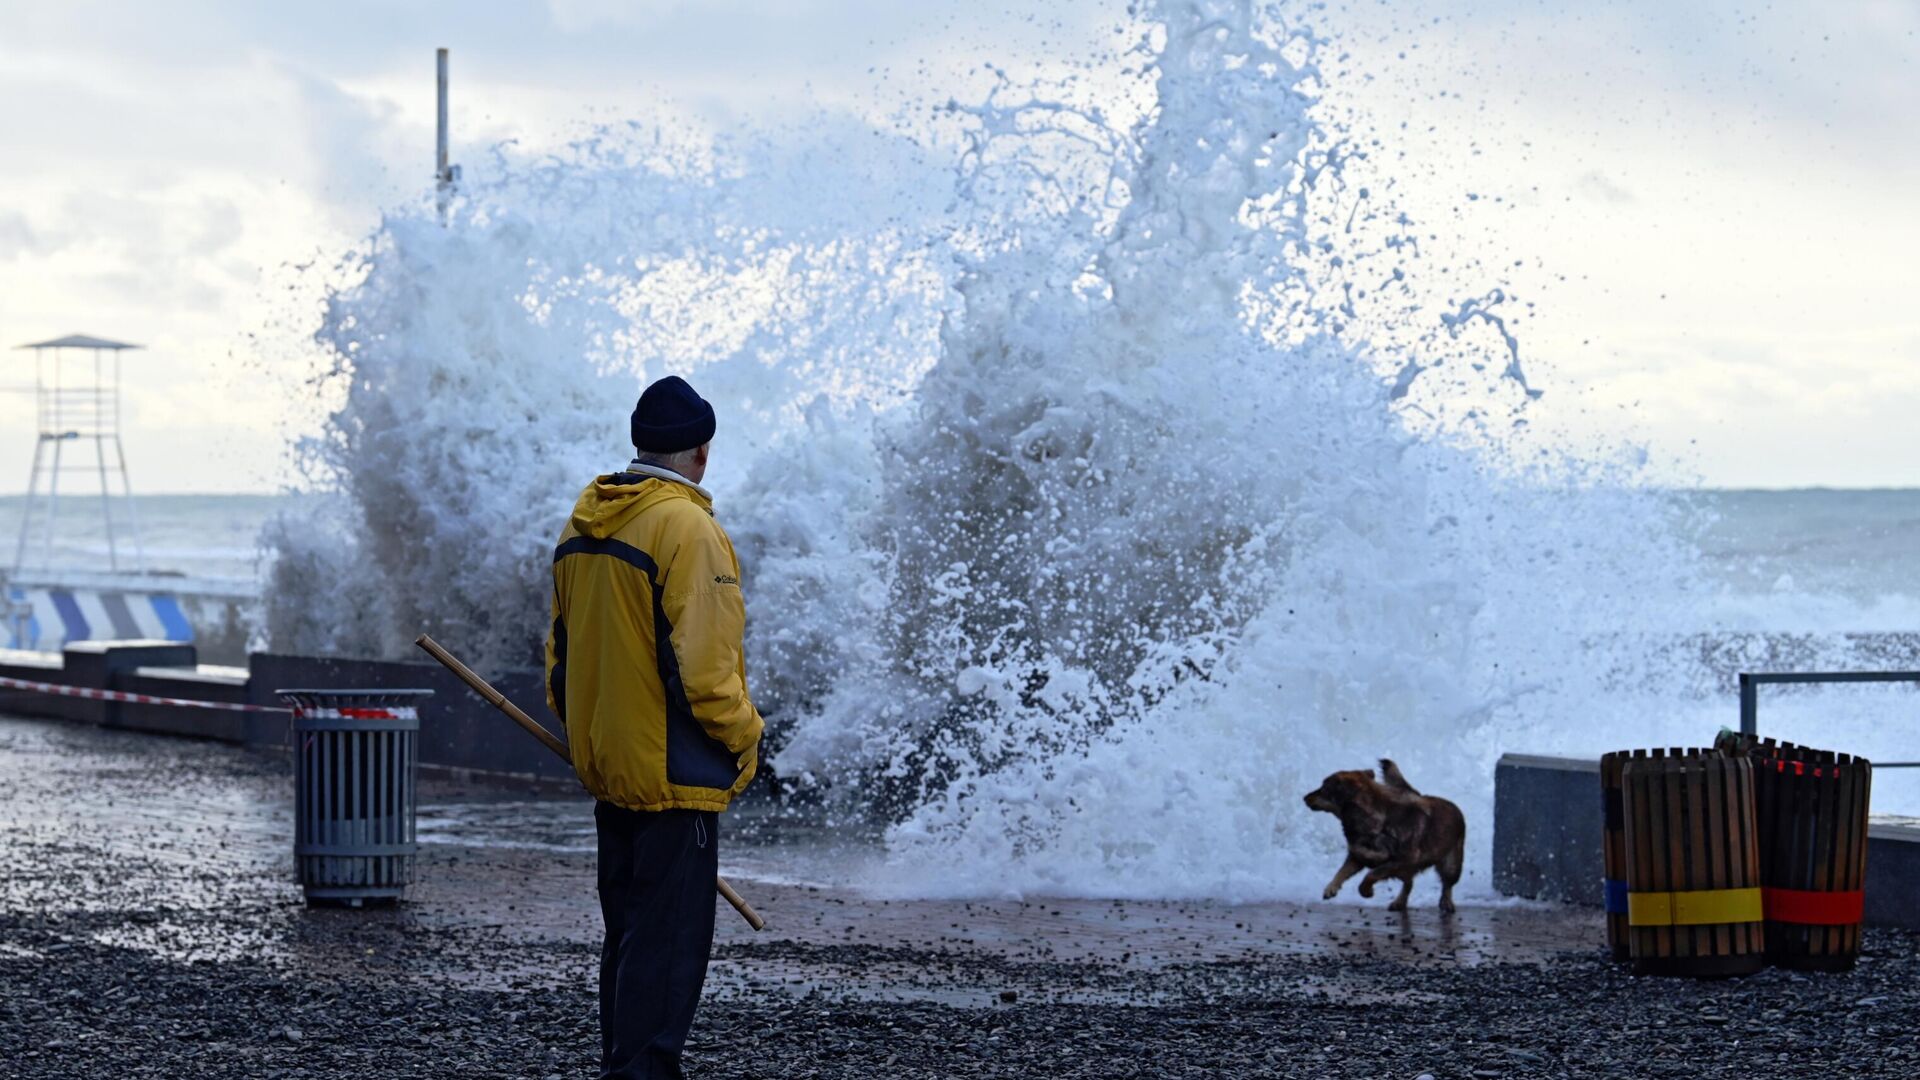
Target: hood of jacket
{"x":613,"y":500}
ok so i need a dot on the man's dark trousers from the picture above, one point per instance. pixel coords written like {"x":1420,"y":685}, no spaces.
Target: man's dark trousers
{"x":657,"y":872}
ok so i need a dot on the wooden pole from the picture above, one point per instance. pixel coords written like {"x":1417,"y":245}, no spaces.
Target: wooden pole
{"x":553,"y":742}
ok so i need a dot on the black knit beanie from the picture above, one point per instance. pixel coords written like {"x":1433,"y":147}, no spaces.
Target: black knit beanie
{"x":670,"y":418}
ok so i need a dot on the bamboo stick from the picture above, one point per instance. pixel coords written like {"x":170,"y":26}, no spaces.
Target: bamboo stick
{"x":554,"y":743}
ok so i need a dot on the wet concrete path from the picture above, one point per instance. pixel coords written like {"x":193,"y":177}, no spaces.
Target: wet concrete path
{"x":196,"y":834}
{"x":136,"y":868}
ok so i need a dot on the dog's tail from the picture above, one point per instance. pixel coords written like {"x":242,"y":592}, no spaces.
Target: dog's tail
{"x":1390,"y":773}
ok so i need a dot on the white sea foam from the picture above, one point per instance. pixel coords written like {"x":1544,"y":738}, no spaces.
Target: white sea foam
{"x":1090,"y":514}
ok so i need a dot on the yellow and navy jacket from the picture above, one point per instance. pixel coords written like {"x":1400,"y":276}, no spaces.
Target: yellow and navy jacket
{"x":645,"y":665}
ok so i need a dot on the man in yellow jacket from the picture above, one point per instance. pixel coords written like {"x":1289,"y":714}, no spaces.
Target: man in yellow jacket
{"x":645,"y":669}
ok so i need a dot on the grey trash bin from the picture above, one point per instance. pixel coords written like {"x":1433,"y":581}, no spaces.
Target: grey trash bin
{"x":355,"y":754}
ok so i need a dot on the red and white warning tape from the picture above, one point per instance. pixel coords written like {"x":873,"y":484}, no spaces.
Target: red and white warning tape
{"x":135,"y":699}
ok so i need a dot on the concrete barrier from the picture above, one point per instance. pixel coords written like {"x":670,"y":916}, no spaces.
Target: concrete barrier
{"x":458,"y":730}
{"x":194,"y":682}
{"x":1893,"y":876}
{"x":1546,"y":828}
{"x":99,"y":665}
{"x":1546,"y":841}
{"x":34,"y":667}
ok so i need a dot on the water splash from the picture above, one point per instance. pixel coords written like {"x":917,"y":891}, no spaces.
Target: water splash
{"x":1090,"y":515}
{"x":479,"y":372}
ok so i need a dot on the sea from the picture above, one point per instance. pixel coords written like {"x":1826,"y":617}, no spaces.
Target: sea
{"x":198,"y":536}
{"x":1852,"y":553}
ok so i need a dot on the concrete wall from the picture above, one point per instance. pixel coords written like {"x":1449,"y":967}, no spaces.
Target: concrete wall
{"x":458,"y":730}
{"x":33,"y":667}
{"x":1546,"y":828}
{"x":1893,"y":876}
{"x":194,"y":682}
{"x":1546,"y":841}
{"x":101,"y":665}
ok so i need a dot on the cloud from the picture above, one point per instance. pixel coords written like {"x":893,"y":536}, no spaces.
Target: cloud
{"x":17,"y":236}
{"x":576,"y":16}
{"x":164,"y":160}
{"x":1595,"y":185}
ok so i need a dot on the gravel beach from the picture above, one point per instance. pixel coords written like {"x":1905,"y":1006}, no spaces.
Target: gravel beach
{"x":149,"y":928}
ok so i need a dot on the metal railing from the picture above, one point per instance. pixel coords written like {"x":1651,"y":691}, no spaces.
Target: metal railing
{"x":1750,"y":683}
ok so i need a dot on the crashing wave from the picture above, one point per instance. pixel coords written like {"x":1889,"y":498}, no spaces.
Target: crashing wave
{"x":1091,"y":511}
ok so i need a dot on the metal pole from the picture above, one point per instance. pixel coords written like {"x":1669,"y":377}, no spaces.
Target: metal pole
{"x":442,"y":172}
{"x":53,"y":504}
{"x":106,"y":501}
{"x":39,"y":445}
{"x":126,"y":482}
{"x":133,"y":508}
{"x":53,"y":477}
{"x":1749,"y":705}
{"x":100,"y":458}
{"x":26,"y":516}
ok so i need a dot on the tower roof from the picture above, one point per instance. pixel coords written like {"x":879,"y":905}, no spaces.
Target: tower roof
{"x":78,"y":341}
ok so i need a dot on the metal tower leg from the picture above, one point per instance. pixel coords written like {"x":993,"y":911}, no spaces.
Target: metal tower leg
{"x":26,"y":514}
{"x":53,"y":503}
{"x":106,"y":502}
{"x":133,"y":508}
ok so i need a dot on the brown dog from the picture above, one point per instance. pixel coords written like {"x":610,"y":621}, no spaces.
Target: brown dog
{"x":1392,"y":831}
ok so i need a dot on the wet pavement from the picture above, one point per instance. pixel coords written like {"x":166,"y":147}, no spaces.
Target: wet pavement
{"x":149,"y":926}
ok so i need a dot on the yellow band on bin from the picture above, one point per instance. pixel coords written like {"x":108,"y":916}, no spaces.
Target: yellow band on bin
{"x":1694,"y":908}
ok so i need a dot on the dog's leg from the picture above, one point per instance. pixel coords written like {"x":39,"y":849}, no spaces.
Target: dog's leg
{"x":1347,"y":870}
{"x":1374,"y":876}
{"x":1449,"y":869}
{"x":1406,"y":890}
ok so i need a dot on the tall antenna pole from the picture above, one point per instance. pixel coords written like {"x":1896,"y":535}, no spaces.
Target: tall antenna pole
{"x":444,"y":173}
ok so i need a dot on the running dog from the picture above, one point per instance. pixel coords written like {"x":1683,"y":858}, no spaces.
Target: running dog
{"x":1392,"y":831}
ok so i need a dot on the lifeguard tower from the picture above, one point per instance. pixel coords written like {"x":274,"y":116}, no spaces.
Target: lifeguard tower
{"x":79,"y":486}
{"x":76,"y":390}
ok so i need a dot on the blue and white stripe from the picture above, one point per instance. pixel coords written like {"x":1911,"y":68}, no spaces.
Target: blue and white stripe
{"x":59,"y":616}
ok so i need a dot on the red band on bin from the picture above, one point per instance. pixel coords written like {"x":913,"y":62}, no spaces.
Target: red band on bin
{"x":1810,"y":907}
{"x":356,"y":712}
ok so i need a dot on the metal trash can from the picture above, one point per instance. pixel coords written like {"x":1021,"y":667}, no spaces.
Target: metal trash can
{"x":355,"y":755}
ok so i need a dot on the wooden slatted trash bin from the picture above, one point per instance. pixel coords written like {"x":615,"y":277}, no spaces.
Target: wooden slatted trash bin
{"x":1693,"y":865}
{"x":355,"y":759}
{"x":1613,"y":853}
{"x":1613,"y":847}
{"x":1812,"y":811}
{"x":1613,"y":843}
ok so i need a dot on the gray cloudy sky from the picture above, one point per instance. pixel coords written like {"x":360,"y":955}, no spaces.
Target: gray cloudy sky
{"x":1710,"y":203}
